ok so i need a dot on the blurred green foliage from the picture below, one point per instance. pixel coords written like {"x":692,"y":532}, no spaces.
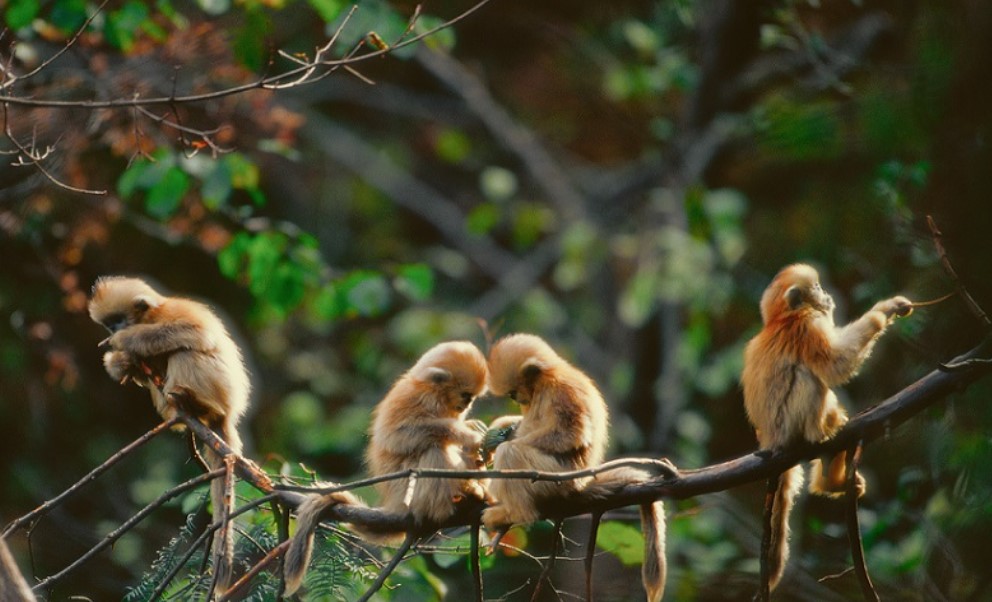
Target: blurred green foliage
{"x":621,"y":180}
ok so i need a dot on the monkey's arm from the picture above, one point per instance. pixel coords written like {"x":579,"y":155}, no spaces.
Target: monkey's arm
{"x":418,"y":437}
{"x":565,"y":426}
{"x":851,"y":345}
{"x":154,"y":339}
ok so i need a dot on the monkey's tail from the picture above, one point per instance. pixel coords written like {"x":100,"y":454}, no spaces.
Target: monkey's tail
{"x":789,"y":485}
{"x":223,"y":547}
{"x":308,"y":516}
{"x":655,"y":569}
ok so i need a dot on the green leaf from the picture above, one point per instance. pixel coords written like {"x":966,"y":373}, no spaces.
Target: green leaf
{"x":217,"y":187}
{"x":264,"y":254}
{"x":249,"y":42}
{"x":452,"y":146}
{"x":128,"y":182}
{"x":483,"y":218}
{"x":328,"y":304}
{"x":327,"y":9}
{"x":231,"y":258}
{"x":416,"y":281}
{"x":444,"y":39}
{"x":244,"y":173}
{"x":365,"y":293}
{"x":165,"y":197}
{"x":68,"y":15}
{"x":20,"y":13}
{"x":123,"y":24}
{"x":287,"y":288}
{"x":623,"y":541}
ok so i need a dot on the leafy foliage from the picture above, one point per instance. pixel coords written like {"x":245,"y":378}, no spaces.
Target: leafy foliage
{"x":622,"y":182}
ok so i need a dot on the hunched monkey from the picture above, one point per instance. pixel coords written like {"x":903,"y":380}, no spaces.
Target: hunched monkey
{"x":419,"y":424}
{"x":181,"y":352}
{"x":563,"y":427}
{"x":789,"y":368}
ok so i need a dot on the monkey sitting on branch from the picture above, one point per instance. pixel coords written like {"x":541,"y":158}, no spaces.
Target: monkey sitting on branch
{"x":181,"y":352}
{"x":563,"y":427}
{"x":419,"y":424}
{"x":789,"y":368}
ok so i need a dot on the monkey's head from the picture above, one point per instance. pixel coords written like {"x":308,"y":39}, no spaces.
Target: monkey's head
{"x":118,"y":302}
{"x":456,"y":373}
{"x":795,"y":288}
{"x":516,"y":365}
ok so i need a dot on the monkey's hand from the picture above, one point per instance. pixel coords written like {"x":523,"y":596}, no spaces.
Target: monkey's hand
{"x":121,"y":367}
{"x":896,"y":306}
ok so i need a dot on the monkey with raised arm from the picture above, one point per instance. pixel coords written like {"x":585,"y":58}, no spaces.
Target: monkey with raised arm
{"x":419,"y":424}
{"x":789,"y":369}
{"x":181,"y":352}
{"x":563,"y":427}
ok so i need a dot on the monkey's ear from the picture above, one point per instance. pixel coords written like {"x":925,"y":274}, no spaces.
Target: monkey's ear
{"x":438,"y":375}
{"x":794,"y":297}
{"x":530,"y":370}
{"x":143,"y":302}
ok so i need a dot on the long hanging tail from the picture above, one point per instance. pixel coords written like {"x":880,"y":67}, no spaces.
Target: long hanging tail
{"x":654,"y":570}
{"x":308,"y":516}
{"x":789,"y":485}
{"x":223,"y":548}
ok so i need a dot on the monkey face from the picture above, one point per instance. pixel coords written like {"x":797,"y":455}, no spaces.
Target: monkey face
{"x":119,"y":302}
{"x":809,"y":294}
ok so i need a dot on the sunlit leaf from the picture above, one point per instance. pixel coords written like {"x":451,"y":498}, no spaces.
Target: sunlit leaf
{"x":20,"y":13}
{"x":623,"y":541}
{"x":444,"y":39}
{"x":416,"y":281}
{"x":327,"y":9}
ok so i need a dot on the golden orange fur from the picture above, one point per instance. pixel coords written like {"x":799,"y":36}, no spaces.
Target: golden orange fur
{"x":563,"y":427}
{"x":789,"y":368}
{"x":181,"y":352}
{"x":419,"y":424}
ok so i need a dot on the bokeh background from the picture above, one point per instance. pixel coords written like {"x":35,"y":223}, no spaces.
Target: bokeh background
{"x":621,"y":178}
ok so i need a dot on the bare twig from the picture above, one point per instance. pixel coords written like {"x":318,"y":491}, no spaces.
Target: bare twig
{"x":271,"y":82}
{"x":550,"y":564}
{"x":128,"y":525}
{"x":973,"y":306}
{"x":199,"y":541}
{"x":259,"y":566}
{"x":591,"y":551}
{"x":10,"y":79}
{"x":662,"y":467}
{"x":475,"y":561}
{"x":389,"y":568}
{"x":91,"y":476}
{"x":853,"y":528}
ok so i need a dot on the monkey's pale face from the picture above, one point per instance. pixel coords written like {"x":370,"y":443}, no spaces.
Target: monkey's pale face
{"x":118,"y":302}
{"x":809,"y":294}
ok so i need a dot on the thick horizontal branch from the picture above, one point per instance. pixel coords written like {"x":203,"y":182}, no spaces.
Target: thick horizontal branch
{"x":866,"y":426}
